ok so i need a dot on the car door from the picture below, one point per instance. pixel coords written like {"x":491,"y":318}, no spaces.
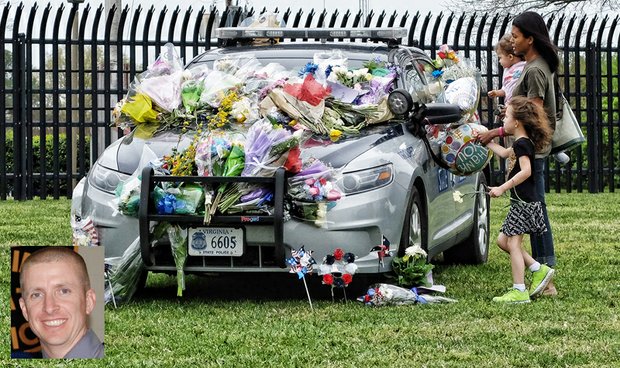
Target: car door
{"x":440,"y":182}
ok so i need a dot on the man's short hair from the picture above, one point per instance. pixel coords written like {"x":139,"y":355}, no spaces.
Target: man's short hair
{"x":56,"y":254}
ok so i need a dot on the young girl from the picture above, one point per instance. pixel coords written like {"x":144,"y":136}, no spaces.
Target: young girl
{"x":527,"y":122}
{"x":513,"y":67}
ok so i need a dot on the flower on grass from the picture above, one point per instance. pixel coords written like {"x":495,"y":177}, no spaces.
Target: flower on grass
{"x":412,"y":268}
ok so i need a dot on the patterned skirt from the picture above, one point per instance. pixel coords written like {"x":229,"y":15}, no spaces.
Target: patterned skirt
{"x":524,"y":218}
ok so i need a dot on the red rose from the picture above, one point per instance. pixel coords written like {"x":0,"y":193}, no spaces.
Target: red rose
{"x":347,"y":278}
{"x":328,"y":279}
{"x":338,"y":253}
{"x":293,"y":162}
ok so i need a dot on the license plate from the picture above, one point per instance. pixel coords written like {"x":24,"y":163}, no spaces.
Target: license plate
{"x":215,"y":241}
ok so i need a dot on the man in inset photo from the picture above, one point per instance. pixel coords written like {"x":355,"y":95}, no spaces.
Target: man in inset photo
{"x":56,"y":300}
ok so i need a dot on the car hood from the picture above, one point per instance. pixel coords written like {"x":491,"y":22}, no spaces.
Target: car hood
{"x":124,"y":155}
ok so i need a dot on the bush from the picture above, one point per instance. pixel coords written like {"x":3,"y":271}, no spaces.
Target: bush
{"x":62,"y":182}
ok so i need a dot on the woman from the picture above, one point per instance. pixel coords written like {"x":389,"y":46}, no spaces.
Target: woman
{"x":530,"y":39}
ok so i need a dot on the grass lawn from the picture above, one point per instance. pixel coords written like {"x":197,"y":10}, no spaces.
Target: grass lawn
{"x":266,"y":321}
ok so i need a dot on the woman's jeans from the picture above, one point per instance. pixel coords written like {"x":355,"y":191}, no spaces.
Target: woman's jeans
{"x":542,"y":245}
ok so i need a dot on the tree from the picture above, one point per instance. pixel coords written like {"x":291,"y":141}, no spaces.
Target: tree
{"x":543,"y":6}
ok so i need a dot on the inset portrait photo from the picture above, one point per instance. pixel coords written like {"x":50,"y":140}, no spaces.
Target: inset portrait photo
{"x":57,"y":305}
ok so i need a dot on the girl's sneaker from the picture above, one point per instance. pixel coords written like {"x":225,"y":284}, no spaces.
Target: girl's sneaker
{"x":540,"y":280}
{"x":514,"y":296}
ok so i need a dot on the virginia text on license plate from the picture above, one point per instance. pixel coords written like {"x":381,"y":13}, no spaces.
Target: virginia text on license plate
{"x":215,"y":241}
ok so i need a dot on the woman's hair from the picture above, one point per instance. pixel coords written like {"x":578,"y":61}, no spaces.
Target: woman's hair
{"x":531,"y":24}
{"x":504,"y":45}
{"x":534,"y":120}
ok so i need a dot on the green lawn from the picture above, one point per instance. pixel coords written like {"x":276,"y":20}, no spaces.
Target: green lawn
{"x":254,"y":322}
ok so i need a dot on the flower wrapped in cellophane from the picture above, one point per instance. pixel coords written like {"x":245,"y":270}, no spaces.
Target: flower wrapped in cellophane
{"x":218,"y":153}
{"x":154,"y":92}
{"x":123,"y":276}
{"x":387,"y":294}
{"x":127,"y":192}
{"x":313,"y":192}
{"x":178,"y":244}
{"x":268,"y":147}
{"x":84,"y":232}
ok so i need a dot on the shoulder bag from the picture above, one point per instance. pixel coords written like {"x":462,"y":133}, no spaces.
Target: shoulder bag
{"x":567,"y":134}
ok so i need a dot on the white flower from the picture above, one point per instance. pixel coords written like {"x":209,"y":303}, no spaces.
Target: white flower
{"x":187,"y":75}
{"x":324,"y":269}
{"x":457,"y":196}
{"x":350,"y":268}
{"x":415,"y":250}
{"x":360,"y":72}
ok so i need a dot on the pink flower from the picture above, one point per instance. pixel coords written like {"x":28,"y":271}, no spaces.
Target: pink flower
{"x":333,"y":195}
{"x":309,"y":181}
{"x":314,"y":191}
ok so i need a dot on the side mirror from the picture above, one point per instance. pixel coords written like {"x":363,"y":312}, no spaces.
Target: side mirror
{"x":401,"y":103}
{"x":443,"y":113}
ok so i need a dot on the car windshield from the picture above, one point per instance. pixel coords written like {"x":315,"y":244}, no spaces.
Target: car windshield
{"x":296,"y":56}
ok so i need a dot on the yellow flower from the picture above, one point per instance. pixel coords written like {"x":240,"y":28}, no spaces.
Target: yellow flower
{"x":292,"y":122}
{"x":334,"y":134}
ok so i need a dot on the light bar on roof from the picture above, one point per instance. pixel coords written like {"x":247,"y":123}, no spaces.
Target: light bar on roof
{"x":321,"y":33}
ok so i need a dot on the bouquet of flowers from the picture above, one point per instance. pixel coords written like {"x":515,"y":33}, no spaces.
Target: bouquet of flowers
{"x":313,"y":192}
{"x":178,"y":244}
{"x":152,"y":94}
{"x":124,"y":275}
{"x":84,"y":232}
{"x":386,"y":294}
{"x":267,"y":148}
{"x":412,"y":268}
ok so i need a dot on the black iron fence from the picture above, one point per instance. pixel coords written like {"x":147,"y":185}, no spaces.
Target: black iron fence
{"x":64,"y":69}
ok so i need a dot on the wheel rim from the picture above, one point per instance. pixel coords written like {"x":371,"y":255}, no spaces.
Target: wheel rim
{"x":415,"y":226}
{"x":482,"y":224}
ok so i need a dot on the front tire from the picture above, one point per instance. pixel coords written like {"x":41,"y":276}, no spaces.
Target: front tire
{"x":415,"y":227}
{"x":475,"y":249}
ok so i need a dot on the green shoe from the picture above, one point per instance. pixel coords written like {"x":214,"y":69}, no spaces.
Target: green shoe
{"x":540,"y":279}
{"x":514,"y":296}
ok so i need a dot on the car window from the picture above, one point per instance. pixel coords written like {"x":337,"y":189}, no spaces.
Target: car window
{"x":418,"y":81}
{"x":291,"y":59}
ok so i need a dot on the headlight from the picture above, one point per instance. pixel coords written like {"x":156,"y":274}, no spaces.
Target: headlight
{"x":105,"y":179}
{"x":365,"y":180}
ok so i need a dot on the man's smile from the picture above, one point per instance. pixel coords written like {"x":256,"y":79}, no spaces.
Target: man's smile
{"x":55,"y":322}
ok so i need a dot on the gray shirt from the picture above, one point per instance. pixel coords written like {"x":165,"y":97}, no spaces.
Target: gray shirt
{"x":537,"y":81}
{"x":89,"y":346}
